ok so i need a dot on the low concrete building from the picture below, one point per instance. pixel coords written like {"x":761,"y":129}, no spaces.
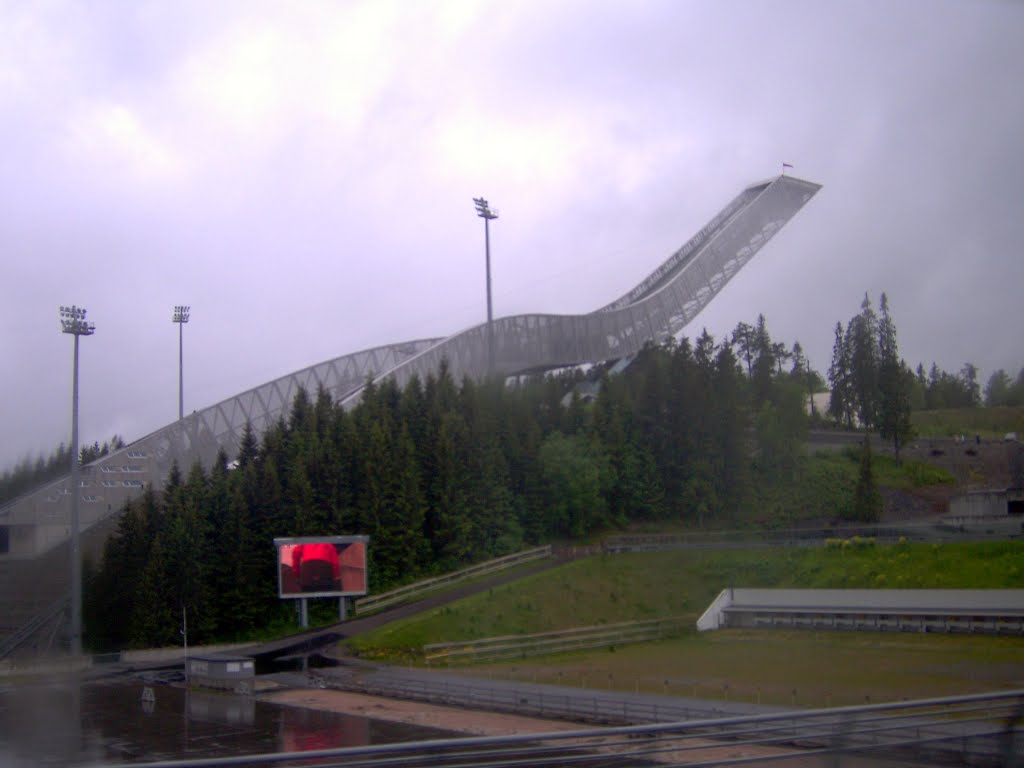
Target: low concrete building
{"x":979,"y":504}
{"x":222,"y":671}
{"x":987,"y":611}
{"x":993,"y":511}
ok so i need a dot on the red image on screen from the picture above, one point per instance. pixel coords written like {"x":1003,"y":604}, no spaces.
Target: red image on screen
{"x":322,"y":567}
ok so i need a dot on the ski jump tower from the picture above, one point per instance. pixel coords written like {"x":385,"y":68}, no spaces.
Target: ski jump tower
{"x":661,"y":305}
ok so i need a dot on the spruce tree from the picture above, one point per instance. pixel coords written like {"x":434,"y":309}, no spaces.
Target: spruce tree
{"x":862,"y":348}
{"x":839,"y":403}
{"x":867,"y":501}
{"x":894,"y":383}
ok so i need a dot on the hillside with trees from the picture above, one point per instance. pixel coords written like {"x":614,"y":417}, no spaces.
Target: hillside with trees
{"x":443,"y":473}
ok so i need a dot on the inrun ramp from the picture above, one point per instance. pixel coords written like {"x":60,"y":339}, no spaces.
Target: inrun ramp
{"x":661,"y":305}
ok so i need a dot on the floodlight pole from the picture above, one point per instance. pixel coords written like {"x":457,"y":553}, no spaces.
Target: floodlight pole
{"x":484,"y":211}
{"x":72,"y":320}
{"x":181,"y":314}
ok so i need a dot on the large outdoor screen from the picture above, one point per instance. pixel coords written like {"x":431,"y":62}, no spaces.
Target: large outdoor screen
{"x":325,"y":566}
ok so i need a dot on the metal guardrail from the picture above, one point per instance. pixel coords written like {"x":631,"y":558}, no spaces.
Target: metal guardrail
{"x":981,"y":727}
{"x":889,"y":533}
{"x":27,"y":630}
{"x":412,"y":591}
{"x":578,"y":638}
{"x":545,"y":702}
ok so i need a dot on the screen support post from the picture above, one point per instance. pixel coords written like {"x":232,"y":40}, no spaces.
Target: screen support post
{"x":304,"y":612}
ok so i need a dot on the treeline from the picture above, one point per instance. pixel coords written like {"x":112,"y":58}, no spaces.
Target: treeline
{"x":441,"y":474}
{"x":29,"y":474}
{"x":867,"y":377}
{"x":1002,"y":390}
{"x":871,"y":384}
{"x":941,"y":389}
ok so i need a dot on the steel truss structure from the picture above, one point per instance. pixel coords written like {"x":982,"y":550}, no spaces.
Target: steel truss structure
{"x":658,"y":307}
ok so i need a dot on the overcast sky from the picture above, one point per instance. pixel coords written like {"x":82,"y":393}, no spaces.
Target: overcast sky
{"x":302,"y":175}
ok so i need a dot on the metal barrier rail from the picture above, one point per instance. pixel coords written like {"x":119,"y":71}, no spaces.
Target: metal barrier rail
{"x":889,"y":533}
{"x":981,"y":726}
{"x":579,"y":638}
{"x":579,"y":705}
{"x":11,"y":644}
{"x":411,"y":591}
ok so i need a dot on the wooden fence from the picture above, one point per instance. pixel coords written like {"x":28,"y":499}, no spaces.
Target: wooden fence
{"x":418,"y":589}
{"x":579,"y":638}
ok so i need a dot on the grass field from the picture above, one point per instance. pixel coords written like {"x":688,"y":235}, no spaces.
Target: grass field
{"x":809,"y":669}
{"x":610,"y":588}
{"x":987,"y":422}
{"x":822,"y":668}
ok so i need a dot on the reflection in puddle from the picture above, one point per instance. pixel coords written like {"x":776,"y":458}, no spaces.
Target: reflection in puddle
{"x":62,"y":723}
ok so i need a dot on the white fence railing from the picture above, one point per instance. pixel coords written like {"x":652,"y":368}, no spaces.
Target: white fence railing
{"x":419,"y":588}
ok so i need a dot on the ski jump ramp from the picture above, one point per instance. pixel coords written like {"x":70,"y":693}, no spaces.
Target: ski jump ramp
{"x":661,"y":305}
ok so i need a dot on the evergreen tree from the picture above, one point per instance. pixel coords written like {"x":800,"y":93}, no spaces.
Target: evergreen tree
{"x":184,"y":543}
{"x":743,"y":339}
{"x":781,"y":431}
{"x":398,"y":543}
{"x":220,"y":552}
{"x":841,"y":397}
{"x":969,"y":377}
{"x":997,"y":389}
{"x":805,"y":377}
{"x":862,"y":346}
{"x":730,"y":412}
{"x":894,"y":385}
{"x":867,"y":502}
{"x":248,"y":447}
{"x":576,"y":475}
{"x":156,"y":618}
{"x":449,"y":524}
{"x":762,"y":378}
{"x":112,"y":593}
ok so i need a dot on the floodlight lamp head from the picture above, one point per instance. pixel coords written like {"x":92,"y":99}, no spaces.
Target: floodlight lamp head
{"x":483,"y":209}
{"x":181,"y":313}
{"x":72,"y":320}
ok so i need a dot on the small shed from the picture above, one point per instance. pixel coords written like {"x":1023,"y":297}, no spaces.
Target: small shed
{"x":979,"y":504}
{"x":222,"y":671}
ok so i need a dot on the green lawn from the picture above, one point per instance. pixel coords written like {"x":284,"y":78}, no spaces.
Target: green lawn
{"x":811,"y":669}
{"x":987,"y":422}
{"x":823,"y":668}
{"x":612,"y":588}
